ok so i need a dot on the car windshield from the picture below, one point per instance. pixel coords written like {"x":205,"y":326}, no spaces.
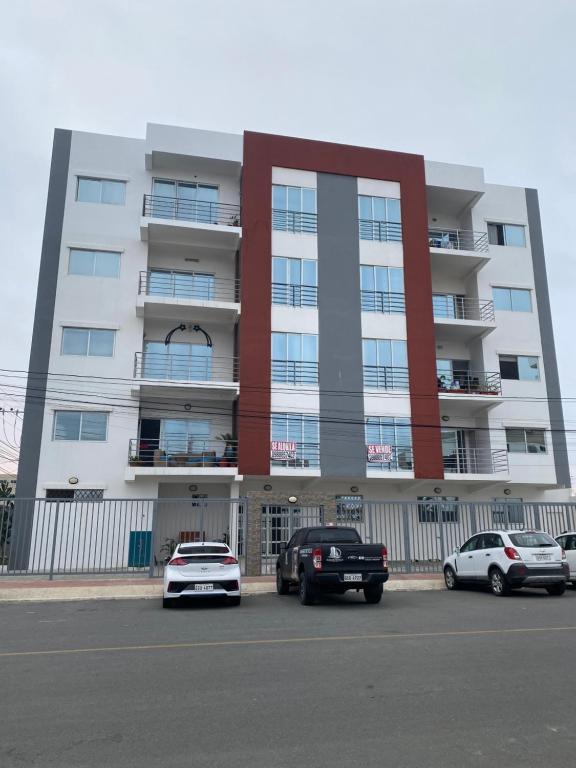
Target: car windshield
{"x":532,"y":540}
{"x":334,"y":535}
{"x":198,"y":549}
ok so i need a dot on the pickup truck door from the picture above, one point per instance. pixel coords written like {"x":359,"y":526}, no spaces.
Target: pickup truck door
{"x":294,"y":555}
{"x":286,"y":558}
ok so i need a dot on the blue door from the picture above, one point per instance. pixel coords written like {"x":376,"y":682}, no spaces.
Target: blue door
{"x":139,"y":548}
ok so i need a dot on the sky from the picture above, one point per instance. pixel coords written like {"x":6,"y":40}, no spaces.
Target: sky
{"x":489,"y":83}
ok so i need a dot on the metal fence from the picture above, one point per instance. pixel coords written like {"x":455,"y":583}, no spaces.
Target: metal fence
{"x":418,"y":535}
{"x":112,"y":536}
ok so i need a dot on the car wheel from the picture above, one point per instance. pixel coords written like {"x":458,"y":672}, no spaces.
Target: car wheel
{"x":556,"y":589}
{"x":373,"y":594}
{"x":282,"y":585}
{"x":498,"y":583}
{"x":168,"y":602}
{"x":450,"y":578}
{"x":305,"y":592}
{"x":235,"y":600}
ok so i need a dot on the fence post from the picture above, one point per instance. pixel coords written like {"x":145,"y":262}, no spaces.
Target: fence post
{"x":152,"y":541}
{"x":473,"y":521}
{"x":537,"y":519}
{"x":407,"y":547}
{"x":56,"y":516}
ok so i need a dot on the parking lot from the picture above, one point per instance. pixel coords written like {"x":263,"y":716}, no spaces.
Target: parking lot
{"x":423,"y":679}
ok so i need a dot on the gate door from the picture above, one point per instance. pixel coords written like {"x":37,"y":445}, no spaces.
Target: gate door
{"x":278,"y":525}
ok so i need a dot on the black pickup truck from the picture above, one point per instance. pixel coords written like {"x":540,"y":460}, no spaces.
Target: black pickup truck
{"x":331,"y":559}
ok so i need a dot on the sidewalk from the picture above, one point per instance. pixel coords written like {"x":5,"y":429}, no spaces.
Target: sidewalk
{"x":31,"y":589}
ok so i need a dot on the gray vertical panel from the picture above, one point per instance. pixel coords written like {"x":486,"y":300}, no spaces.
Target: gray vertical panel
{"x":547,"y":335}
{"x":342,"y":443}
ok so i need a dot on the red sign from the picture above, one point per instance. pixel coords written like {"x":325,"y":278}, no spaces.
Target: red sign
{"x":380,"y":454}
{"x":281,"y":450}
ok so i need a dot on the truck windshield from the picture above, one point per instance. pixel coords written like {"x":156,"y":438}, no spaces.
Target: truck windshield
{"x":334,"y":536}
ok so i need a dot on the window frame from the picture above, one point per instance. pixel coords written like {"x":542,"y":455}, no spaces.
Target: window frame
{"x":510,"y":292}
{"x":79,"y":439}
{"x":306,"y":292}
{"x":89,"y":331}
{"x":515,"y":359}
{"x":491,"y":225}
{"x":526,"y":442}
{"x":94,"y":252}
{"x":100,"y":180}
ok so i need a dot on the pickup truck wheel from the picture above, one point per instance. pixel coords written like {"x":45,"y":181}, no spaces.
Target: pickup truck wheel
{"x":282,"y":586}
{"x":373,"y":594}
{"x":305,"y":592}
{"x":556,"y":589}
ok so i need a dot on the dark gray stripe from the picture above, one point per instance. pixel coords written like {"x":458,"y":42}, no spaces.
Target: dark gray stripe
{"x":44,"y":317}
{"x":547,"y":335}
{"x":342,"y":443}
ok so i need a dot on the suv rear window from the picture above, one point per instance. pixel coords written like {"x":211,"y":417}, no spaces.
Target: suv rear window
{"x":532,"y":540}
{"x":333,"y":536}
{"x":198,"y":549}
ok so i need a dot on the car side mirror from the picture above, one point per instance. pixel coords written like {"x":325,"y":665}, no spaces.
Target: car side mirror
{"x":456,"y":550}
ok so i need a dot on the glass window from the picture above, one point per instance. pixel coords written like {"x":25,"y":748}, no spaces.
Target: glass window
{"x":113,"y":192}
{"x":385,"y":364}
{"x":80,"y":425}
{"x":394,"y":432}
{"x":434,"y":509}
{"x":512,"y":299}
{"x":519,"y":367}
{"x":470,"y":545}
{"x":508,"y":510}
{"x":294,"y":282}
{"x":502,"y":299}
{"x":380,"y":218}
{"x":301,"y":429}
{"x":521,"y":440}
{"x":88,"y":191}
{"x":295,"y":358}
{"x":382,"y":289}
{"x":91,"y":342}
{"x":101,"y":191}
{"x":101,"y":343}
{"x":75,"y":341}
{"x":506,"y":234}
{"x":293,"y":208}
{"x":184,"y":435}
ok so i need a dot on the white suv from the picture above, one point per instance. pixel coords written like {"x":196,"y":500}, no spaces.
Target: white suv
{"x":509,"y":560}
{"x":567,"y":541}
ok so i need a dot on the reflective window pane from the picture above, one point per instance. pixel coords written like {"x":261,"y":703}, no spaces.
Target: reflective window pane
{"x":310,"y":348}
{"x":528,"y":369}
{"x":367,"y":282}
{"x":67,"y":425}
{"x":521,"y":300}
{"x":164,"y":188}
{"x":369,"y":352}
{"x":294,"y":199}
{"x":514,"y":235}
{"x":75,"y":341}
{"x":88,"y":190}
{"x":279,"y":197}
{"x":364,"y":207}
{"x":535,"y":441}
{"x":101,"y":343}
{"x":379,"y":208}
{"x":309,"y":272}
{"x":81,"y":262}
{"x":393,"y":210}
{"x":106,"y":264}
{"x":308,"y":200}
{"x":396,"y":277}
{"x":93,"y":426}
{"x":113,"y":192}
{"x":400,"y":353}
{"x":279,"y":270}
{"x":502,"y":299}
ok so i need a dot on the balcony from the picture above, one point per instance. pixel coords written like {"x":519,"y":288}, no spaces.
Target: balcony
{"x":386,"y":377}
{"x":459,"y":318}
{"x":293,"y":458}
{"x":190,"y":222}
{"x":458,"y":251}
{"x":395,"y":460}
{"x":182,"y":457}
{"x":187,"y":297}
{"x":285,"y":294}
{"x":469,"y":392}
{"x":207,"y":377}
{"x":294,"y":372}
{"x":388,"y":303}
{"x":296,"y":222}
{"x":476,"y":461}
{"x":381,"y":231}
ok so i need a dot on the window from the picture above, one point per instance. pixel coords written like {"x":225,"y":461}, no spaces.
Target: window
{"x":532,"y":539}
{"x":508,"y":510}
{"x":184,"y":285}
{"x":186,"y":200}
{"x":470,"y":545}
{"x":75,"y":494}
{"x":385,"y":364}
{"x":434,"y":509}
{"x":295,"y":358}
{"x":180,"y":361}
{"x":304,"y":431}
{"x":93,"y":263}
{"x":379,"y":218}
{"x":293,"y":209}
{"x":451,"y":306}
{"x":90,"y":426}
{"x":512,"y":299}
{"x":350,"y":509}
{"x":184,"y":436}
{"x":490,"y":541}
{"x":519,"y":368}
{"x":382,"y":289}
{"x":525,"y":440}
{"x":506,"y":234}
{"x":395,"y":433}
{"x":91,"y":190}
{"x":88,"y":342}
{"x":294,"y":282}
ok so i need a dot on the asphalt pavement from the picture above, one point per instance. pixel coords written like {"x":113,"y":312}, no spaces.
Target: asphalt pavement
{"x":424,"y":679}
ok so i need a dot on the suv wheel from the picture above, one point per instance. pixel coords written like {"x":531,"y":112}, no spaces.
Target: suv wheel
{"x":282,"y":586}
{"x":450,"y":578}
{"x":305,"y":591}
{"x":556,"y":589}
{"x":498,"y":583}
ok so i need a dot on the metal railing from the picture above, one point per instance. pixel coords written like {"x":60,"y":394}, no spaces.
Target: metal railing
{"x":294,"y":372}
{"x":174,"y":367}
{"x":385,"y":377}
{"x":307,"y":455}
{"x":200,"y":211}
{"x":294,"y":295}
{"x":458,"y":239}
{"x":402,"y":460}
{"x":476,"y":461}
{"x":389,"y":303}
{"x":384,"y":231}
{"x":296,"y":222}
{"x":191,"y":452}
{"x":180,"y":285}
{"x":470,"y":382}
{"x":452,"y":307}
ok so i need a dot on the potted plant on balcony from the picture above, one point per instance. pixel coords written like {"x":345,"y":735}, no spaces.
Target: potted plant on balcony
{"x":229,"y":455}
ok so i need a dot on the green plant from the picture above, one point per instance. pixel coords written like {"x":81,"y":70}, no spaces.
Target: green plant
{"x":167,"y":549}
{"x":6,"y":515}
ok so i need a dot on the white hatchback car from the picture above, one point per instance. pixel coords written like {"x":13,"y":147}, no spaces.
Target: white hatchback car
{"x":509,"y":560}
{"x":567,"y":541}
{"x":203,"y":569}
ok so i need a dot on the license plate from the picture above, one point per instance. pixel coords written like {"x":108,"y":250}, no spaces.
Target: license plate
{"x":203,"y":587}
{"x":352,"y":577}
{"x":543,"y":557}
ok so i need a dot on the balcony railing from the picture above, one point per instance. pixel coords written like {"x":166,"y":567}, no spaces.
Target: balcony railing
{"x":462,"y":308}
{"x":385,"y":377}
{"x":381,"y":301}
{"x":307,"y":455}
{"x":384,"y":231}
{"x":401,"y":460}
{"x":185,"y":451}
{"x":294,"y":221}
{"x":470,"y":382}
{"x":294,"y":295}
{"x":294,"y":372}
{"x":458,"y":239}
{"x":200,"y":211}
{"x":159,"y":366}
{"x":180,"y":285}
{"x":476,"y":461}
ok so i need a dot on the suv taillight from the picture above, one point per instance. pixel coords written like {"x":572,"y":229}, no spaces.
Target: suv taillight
{"x":230,"y":561}
{"x":178,"y":561}
{"x":317,"y":559}
{"x":384,"y":557}
{"x":511,"y":553}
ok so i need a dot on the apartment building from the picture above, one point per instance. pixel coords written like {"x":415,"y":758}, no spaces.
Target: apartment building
{"x":256,"y":316}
